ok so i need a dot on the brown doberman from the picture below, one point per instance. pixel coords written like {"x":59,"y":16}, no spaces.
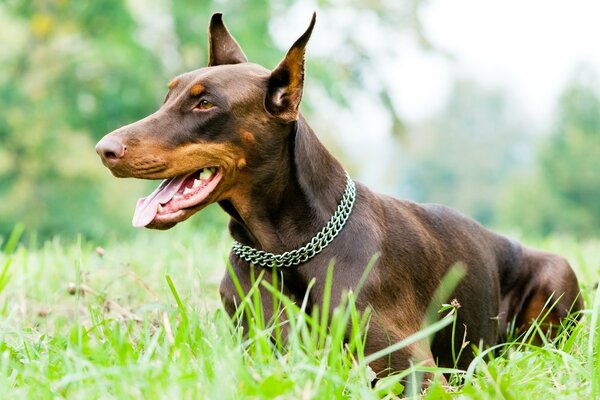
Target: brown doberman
{"x":232,"y":133}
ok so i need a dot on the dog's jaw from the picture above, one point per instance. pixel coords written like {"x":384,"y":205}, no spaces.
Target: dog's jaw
{"x":177,"y":198}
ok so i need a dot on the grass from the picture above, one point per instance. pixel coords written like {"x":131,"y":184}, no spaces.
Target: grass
{"x":143,"y":320}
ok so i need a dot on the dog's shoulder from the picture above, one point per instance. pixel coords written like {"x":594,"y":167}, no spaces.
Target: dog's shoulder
{"x":433,"y":215}
{"x":435,"y":221}
{"x":439,"y":214}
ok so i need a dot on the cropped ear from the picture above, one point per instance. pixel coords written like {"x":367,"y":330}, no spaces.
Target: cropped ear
{"x":222,"y":47}
{"x":286,"y":81}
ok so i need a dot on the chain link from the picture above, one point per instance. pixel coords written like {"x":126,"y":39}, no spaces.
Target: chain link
{"x":312,"y":248}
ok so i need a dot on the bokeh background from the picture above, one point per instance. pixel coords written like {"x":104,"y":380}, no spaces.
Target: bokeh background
{"x":491,"y":107}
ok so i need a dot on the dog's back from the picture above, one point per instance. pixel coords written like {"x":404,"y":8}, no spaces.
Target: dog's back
{"x":504,"y":282}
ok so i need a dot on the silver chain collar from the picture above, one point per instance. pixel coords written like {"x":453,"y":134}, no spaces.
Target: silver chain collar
{"x":312,"y":248}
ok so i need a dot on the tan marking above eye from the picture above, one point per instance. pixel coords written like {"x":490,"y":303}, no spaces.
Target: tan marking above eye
{"x":196,"y":89}
{"x":173,"y":83}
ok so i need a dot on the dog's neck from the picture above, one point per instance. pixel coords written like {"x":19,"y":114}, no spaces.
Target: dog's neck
{"x":292,"y":199}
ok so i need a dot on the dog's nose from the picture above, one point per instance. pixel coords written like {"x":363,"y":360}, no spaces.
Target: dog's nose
{"x":111,"y":150}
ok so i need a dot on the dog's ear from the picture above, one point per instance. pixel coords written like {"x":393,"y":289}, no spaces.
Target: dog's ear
{"x":222,"y":47}
{"x":287,"y":80}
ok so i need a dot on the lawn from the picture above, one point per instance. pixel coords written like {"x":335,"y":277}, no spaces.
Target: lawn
{"x":142,"y":319}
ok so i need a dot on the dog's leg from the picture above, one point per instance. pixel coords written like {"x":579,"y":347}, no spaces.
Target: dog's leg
{"x":418,"y":353}
{"x":547,"y":291}
{"x":270,"y":307}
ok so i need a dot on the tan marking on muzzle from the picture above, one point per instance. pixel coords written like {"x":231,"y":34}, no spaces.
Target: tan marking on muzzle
{"x":191,"y":157}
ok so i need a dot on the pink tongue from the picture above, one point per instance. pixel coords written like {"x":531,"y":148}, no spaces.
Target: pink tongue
{"x":146,"y":207}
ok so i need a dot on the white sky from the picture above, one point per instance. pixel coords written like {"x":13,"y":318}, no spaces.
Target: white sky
{"x":527,"y":47}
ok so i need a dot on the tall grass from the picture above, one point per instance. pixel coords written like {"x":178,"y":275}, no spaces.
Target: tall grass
{"x":143,"y":320}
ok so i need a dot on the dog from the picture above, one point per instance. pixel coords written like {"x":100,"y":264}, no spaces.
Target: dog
{"x":231,"y":133}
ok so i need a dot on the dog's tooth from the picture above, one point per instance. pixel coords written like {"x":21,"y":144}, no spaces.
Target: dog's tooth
{"x":187,"y":190}
{"x":197,"y":183}
{"x":159,"y":208}
{"x":205,"y":174}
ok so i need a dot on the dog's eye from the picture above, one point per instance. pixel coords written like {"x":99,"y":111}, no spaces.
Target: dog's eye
{"x":204,"y":105}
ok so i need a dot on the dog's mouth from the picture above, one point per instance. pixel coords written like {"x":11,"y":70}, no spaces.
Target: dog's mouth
{"x":176,"y":198}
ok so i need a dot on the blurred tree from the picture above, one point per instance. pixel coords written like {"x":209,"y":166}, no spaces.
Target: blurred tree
{"x":69,"y":80}
{"x":562,"y":195}
{"x":463,"y":156}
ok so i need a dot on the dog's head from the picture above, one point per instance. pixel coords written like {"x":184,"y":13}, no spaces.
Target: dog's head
{"x":216,"y":126}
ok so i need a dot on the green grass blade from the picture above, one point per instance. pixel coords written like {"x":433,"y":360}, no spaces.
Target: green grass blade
{"x":180,"y":305}
{"x":13,"y":240}
{"x":424,"y":333}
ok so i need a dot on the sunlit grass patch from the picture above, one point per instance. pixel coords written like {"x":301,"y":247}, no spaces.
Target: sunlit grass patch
{"x":143,"y":320}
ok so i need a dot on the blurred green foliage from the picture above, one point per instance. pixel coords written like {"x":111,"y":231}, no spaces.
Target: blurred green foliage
{"x":73,"y":71}
{"x":70,"y":80}
{"x":463,"y":156}
{"x":562,"y":192}
{"x":479,"y":156}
